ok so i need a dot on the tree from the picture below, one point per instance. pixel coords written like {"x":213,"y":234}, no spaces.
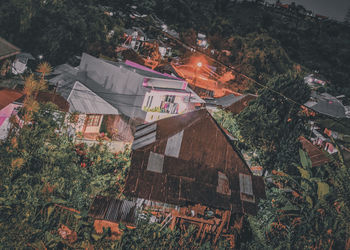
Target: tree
{"x":304,"y":211}
{"x":271,"y":124}
{"x":40,"y":166}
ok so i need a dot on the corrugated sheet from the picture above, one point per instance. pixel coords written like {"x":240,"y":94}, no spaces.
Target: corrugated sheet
{"x":240,"y":103}
{"x":144,"y":140}
{"x":173,"y":145}
{"x":8,"y":96}
{"x":326,"y":104}
{"x":116,"y":83}
{"x":111,"y":209}
{"x":259,"y":187}
{"x":144,"y":130}
{"x":317,"y":157}
{"x":58,"y":100}
{"x":7,"y":49}
{"x":83,"y":100}
{"x":155,"y":163}
{"x":192,"y":177}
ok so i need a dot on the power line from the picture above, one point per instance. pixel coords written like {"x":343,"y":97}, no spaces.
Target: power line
{"x":241,"y":74}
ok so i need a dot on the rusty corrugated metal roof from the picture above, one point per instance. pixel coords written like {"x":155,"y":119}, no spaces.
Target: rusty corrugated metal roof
{"x":241,"y":103}
{"x":7,"y":49}
{"x":317,"y":157}
{"x":56,"y":99}
{"x":183,"y":162}
{"x":8,"y":96}
{"x":111,"y":209}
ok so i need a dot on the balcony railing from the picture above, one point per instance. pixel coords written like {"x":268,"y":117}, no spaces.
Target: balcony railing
{"x":169,"y":107}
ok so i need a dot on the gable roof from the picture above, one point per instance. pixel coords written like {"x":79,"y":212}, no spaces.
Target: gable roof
{"x":122,"y":85}
{"x":56,"y":99}
{"x":7,"y":49}
{"x":317,"y":157}
{"x":83,"y":100}
{"x":180,"y":160}
{"x":8,"y":96}
{"x":111,"y":209}
{"x":232,"y":103}
{"x":326,"y":104}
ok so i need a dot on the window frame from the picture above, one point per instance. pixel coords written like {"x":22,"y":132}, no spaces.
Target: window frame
{"x":247,"y":194}
{"x":93,"y":120}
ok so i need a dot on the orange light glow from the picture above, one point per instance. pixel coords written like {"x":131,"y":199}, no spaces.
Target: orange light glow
{"x":199,"y":64}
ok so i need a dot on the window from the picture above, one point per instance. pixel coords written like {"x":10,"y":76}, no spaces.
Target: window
{"x":223,"y":184}
{"x":170,"y":98}
{"x":93,"y":120}
{"x":149,"y":101}
{"x":246,"y":187}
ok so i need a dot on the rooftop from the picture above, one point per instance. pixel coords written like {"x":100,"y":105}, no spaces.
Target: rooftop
{"x":326,"y":104}
{"x":189,"y":159}
{"x":8,"y":96}
{"x":317,"y":157}
{"x":7,"y":49}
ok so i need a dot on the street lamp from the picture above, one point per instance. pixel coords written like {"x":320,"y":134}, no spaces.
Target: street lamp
{"x":199,"y":64}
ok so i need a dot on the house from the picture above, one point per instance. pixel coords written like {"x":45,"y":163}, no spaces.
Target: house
{"x":202,"y":41}
{"x":323,"y":142}
{"x":87,"y":109}
{"x":203,"y":78}
{"x":232,"y":103}
{"x":12,"y":100}
{"x":315,"y":80}
{"x":188,"y":160}
{"x":321,"y":17}
{"x":7,"y":49}
{"x":19,"y":65}
{"x":187,"y":166}
{"x":132,"y":93}
{"x":8,"y":107}
{"x":328,"y":105}
{"x":317,"y":156}
{"x":134,"y":38}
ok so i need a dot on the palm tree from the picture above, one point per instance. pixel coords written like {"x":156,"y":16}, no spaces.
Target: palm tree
{"x":32,"y":87}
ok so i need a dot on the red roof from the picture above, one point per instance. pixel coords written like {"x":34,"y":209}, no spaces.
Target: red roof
{"x":8,"y":96}
{"x":7,"y":49}
{"x":317,"y":157}
{"x":237,"y":107}
{"x":56,"y":99}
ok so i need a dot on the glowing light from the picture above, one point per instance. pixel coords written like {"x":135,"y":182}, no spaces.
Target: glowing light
{"x":199,"y":64}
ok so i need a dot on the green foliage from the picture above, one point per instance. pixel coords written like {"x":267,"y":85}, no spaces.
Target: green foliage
{"x":58,"y":29}
{"x":306,"y":211}
{"x":40,"y":165}
{"x":271,"y":124}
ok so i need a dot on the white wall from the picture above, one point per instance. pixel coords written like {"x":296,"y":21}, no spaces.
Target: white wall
{"x":159,"y":95}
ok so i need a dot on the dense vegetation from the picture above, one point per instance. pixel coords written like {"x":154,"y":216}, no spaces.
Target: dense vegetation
{"x":57,"y":29}
{"x":41,"y":166}
{"x":322,"y":45}
{"x":60,"y":29}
